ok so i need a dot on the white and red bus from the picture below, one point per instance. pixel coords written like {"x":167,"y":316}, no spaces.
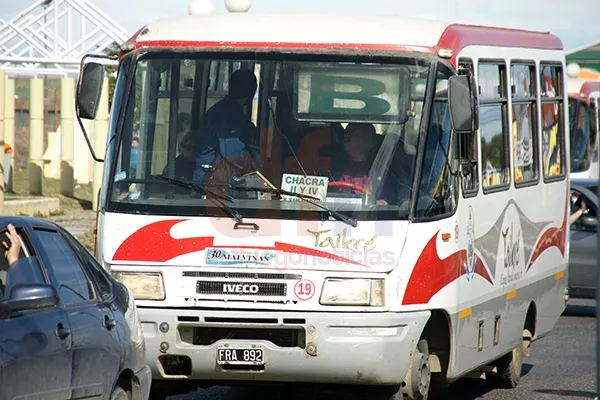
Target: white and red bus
{"x":260,"y":248}
{"x":583,"y":120}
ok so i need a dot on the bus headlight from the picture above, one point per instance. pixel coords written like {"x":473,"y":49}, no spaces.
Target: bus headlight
{"x":144,"y":286}
{"x":353,"y":292}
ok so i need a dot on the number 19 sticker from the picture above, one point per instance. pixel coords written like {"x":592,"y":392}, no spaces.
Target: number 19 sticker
{"x":304,"y":289}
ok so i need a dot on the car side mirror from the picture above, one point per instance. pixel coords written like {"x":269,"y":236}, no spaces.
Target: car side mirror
{"x":29,"y":297}
{"x":589,"y":221}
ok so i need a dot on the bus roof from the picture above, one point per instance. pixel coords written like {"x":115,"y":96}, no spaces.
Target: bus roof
{"x":331,"y":31}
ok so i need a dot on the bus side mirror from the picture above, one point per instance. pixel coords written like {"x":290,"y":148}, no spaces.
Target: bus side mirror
{"x":89,"y":90}
{"x":462,"y":101}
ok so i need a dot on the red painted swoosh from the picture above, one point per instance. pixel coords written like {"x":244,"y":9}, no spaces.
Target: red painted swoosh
{"x":154,"y":243}
{"x":431,"y":273}
{"x":552,"y":237}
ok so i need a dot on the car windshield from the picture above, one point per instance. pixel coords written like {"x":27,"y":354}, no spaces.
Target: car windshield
{"x":341,"y":132}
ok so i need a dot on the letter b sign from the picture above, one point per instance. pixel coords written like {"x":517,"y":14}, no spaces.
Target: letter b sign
{"x":347,"y":95}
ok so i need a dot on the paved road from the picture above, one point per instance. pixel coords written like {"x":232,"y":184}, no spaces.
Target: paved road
{"x":562,"y":366}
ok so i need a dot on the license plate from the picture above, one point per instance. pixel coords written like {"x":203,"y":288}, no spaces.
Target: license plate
{"x":240,"y":354}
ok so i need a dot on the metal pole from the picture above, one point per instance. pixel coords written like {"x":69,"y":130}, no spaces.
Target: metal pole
{"x":56,"y":35}
{"x":36,"y":136}
{"x":9,"y":128}
{"x":67,"y":115}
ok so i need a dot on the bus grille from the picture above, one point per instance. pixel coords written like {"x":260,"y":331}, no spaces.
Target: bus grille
{"x":290,"y":337}
{"x":241,"y":275}
{"x":233,"y":288}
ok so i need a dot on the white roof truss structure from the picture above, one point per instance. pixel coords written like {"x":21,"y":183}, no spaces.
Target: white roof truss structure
{"x":51,"y":36}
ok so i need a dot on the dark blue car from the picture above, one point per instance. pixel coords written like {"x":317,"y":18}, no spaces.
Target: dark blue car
{"x":67,"y":328}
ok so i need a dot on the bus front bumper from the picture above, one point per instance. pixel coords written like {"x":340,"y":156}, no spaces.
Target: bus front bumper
{"x":345,"y":348}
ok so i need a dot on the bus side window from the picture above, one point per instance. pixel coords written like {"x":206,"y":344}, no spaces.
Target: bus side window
{"x":551,"y":91}
{"x":470,"y":175}
{"x":524,"y":123}
{"x":493,"y":125}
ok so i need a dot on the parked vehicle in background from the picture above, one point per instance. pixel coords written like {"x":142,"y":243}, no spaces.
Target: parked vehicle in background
{"x":583,"y":255}
{"x":584,"y":120}
{"x":67,"y":328}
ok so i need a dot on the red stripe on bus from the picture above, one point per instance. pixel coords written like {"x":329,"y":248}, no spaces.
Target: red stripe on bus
{"x":431,"y":273}
{"x":458,"y":36}
{"x":553,"y":237}
{"x":154,"y":243}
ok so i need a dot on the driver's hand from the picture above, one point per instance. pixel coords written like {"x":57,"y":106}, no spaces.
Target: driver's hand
{"x":13,"y":250}
{"x":381,"y":203}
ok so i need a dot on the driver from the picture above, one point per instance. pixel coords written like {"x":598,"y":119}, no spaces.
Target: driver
{"x":359,"y":141}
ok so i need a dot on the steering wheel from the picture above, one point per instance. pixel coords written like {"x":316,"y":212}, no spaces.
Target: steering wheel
{"x":355,"y":186}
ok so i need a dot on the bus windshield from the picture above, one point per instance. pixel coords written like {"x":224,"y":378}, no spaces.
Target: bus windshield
{"x":581,"y":135}
{"x":204,"y":135}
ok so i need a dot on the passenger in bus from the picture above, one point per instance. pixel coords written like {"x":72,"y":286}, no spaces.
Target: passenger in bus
{"x":355,"y":168}
{"x":228,"y":119}
{"x":222,"y":140}
{"x":135,"y":143}
{"x":185,"y":162}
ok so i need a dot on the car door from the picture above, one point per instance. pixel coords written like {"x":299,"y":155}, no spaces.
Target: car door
{"x":35,"y":345}
{"x":96,"y":346}
{"x":583,"y":254}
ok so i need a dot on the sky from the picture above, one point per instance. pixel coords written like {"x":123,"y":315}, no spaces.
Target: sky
{"x":576,"y":22}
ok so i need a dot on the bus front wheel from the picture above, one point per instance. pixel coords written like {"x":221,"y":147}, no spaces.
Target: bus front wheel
{"x":418,"y":379}
{"x":416,"y":384}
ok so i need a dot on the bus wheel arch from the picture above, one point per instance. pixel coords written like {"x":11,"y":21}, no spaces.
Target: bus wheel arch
{"x":437,"y":333}
{"x":417,"y":383}
{"x":431,"y":357}
{"x":529,"y":329}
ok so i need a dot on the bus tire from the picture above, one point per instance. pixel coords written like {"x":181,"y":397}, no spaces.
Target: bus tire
{"x":417,"y":383}
{"x":509,"y":369}
{"x":119,"y":393}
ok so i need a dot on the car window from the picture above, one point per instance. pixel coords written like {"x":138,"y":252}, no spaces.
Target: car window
{"x":576,"y":204}
{"x":25,"y":270}
{"x":71,"y":280}
{"x":97,"y":273}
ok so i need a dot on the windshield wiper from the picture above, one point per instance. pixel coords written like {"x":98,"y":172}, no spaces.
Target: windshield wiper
{"x":217,"y":198}
{"x":310,"y":199}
